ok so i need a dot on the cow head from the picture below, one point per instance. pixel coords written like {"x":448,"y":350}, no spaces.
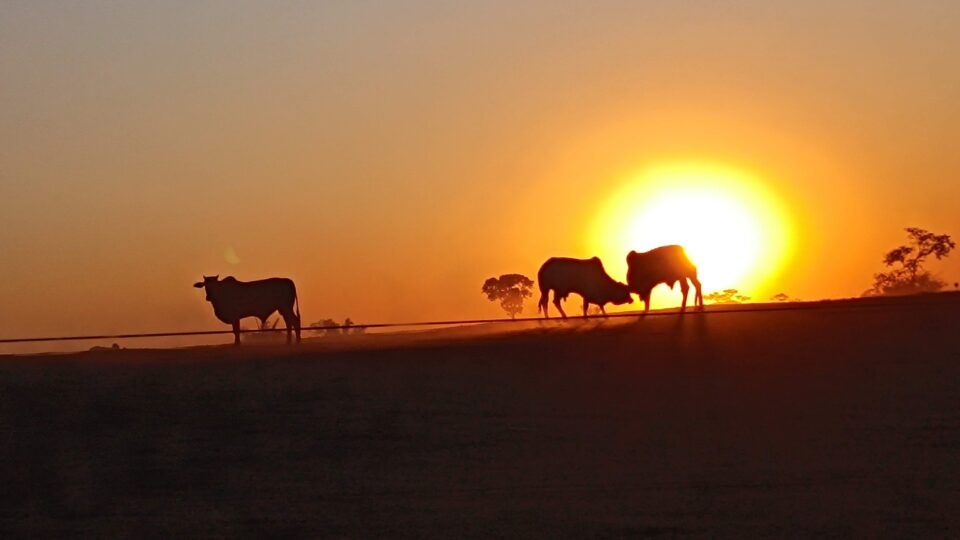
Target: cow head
{"x":620,"y":294}
{"x":208,"y":283}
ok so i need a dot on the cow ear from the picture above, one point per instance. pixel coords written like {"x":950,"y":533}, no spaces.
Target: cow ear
{"x":198,"y":284}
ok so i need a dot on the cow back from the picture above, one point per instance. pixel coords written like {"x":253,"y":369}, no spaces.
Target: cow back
{"x":585,"y":277}
{"x":666,"y":264}
{"x":233,"y":300}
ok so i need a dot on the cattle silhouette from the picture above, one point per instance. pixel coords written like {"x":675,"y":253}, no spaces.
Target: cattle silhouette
{"x":585,"y":277}
{"x":665,"y":264}
{"x":233,"y":300}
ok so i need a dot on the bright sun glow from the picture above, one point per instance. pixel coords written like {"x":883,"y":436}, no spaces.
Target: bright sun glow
{"x":732,"y":227}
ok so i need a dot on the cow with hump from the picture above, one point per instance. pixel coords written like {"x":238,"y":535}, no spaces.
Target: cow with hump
{"x":585,"y":277}
{"x":233,"y":300}
{"x":665,"y":264}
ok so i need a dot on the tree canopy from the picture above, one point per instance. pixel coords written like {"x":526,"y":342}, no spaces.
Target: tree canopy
{"x":906,"y":274}
{"x":727,"y":296}
{"x":510,"y":290}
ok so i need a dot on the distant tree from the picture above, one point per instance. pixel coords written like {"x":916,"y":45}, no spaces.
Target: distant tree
{"x":781,"y":297}
{"x":727,"y":296}
{"x":350,"y":327}
{"x":326,"y":327}
{"x":510,"y":290}
{"x":330,"y":327}
{"x":907,"y":274}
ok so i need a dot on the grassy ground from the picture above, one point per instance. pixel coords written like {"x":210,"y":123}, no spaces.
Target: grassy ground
{"x":842,"y":419}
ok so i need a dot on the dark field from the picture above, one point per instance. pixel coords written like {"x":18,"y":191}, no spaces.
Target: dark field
{"x":840,"y":420}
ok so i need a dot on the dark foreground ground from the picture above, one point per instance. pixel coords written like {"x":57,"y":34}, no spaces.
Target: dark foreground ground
{"x":838,"y":420}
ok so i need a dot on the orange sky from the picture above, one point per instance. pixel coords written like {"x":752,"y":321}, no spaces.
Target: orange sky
{"x":390,"y":158}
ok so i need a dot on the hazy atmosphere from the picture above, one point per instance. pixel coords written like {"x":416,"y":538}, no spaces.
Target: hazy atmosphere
{"x":332,"y":269}
{"x":390,"y":157}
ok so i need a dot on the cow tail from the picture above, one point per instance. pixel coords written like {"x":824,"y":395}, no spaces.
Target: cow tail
{"x":544,"y":295}
{"x":296,"y":307}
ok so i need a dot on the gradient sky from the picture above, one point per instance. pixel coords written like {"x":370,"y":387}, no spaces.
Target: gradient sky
{"x":390,"y":156}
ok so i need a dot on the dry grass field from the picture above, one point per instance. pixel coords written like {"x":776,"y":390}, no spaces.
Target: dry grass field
{"x":839,"y":419}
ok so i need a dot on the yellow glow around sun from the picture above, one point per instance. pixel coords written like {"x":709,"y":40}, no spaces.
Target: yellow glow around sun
{"x":732,"y":227}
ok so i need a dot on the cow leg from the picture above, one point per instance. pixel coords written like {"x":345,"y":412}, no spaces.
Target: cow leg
{"x":646,"y":304}
{"x":556,"y":302}
{"x":698,"y":298}
{"x":685,"y":289}
{"x":292,"y":323}
{"x":603,"y":310}
{"x":544,"y":303}
{"x":236,"y":333}
{"x":586,"y":307}
{"x":263,"y":325}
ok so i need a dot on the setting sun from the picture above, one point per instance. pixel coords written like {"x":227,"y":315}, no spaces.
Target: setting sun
{"x":732,"y":228}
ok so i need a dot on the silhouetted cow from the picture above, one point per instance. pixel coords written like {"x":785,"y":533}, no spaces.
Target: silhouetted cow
{"x":233,"y":300}
{"x":666,"y":264}
{"x":585,"y":277}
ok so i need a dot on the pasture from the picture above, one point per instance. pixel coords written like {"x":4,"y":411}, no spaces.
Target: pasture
{"x":840,"y":419}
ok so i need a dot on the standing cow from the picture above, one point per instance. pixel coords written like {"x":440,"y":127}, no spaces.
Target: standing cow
{"x":233,"y":300}
{"x":585,"y":277}
{"x":666,"y":264}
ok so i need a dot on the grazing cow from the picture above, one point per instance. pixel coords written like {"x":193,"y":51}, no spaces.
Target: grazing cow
{"x":233,"y":300}
{"x":666,"y":264}
{"x":585,"y":277}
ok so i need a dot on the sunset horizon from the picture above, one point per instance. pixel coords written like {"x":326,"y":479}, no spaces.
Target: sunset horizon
{"x":378,"y":167}
{"x":426,"y":269}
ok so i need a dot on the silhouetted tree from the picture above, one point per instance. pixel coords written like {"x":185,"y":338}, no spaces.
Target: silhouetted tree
{"x":350,"y":327}
{"x":907,"y":274}
{"x":782,"y":297}
{"x":326,"y":327}
{"x":330,"y":327}
{"x":727,"y":296}
{"x":510,"y":290}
